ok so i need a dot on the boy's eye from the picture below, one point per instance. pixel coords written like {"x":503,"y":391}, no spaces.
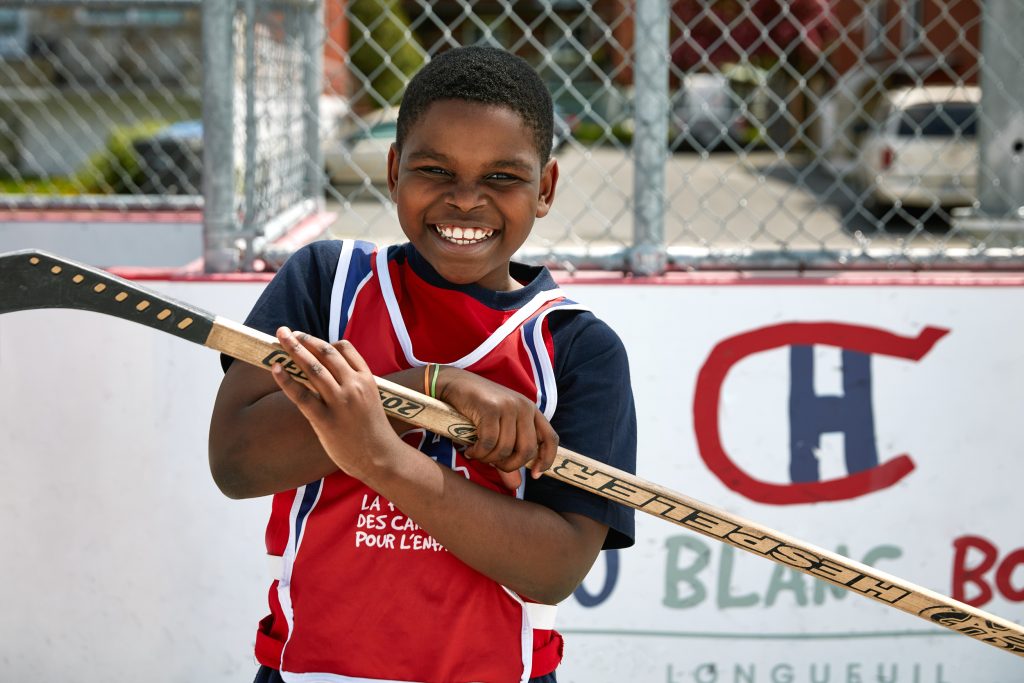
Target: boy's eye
{"x":503,"y":177}
{"x":432,"y":170}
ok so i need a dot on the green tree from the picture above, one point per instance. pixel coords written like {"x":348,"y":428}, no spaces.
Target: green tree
{"x":384,"y":51}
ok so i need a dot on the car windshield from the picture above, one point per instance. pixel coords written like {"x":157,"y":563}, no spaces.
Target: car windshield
{"x":946,"y":119}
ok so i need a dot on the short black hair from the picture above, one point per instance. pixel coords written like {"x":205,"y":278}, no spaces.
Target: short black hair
{"x":486,"y":75}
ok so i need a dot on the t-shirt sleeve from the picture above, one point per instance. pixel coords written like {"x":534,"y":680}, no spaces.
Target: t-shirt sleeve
{"x":595,"y":417}
{"x":299,"y":295}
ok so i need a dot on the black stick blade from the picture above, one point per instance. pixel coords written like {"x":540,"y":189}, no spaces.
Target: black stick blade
{"x":32,"y":279}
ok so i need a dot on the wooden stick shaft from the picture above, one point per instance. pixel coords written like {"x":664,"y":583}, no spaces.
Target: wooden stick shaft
{"x":422,"y":411}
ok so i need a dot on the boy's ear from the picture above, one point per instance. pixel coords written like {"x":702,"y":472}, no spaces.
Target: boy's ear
{"x":393,"y":157}
{"x":548,"y":182}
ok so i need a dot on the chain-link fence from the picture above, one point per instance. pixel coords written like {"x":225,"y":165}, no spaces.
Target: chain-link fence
{"x":691,"y":134}
{"x":261,"y":104}
{"x":709,"y":134}
{"x":134,"y":104}
{"x":88,"y":96}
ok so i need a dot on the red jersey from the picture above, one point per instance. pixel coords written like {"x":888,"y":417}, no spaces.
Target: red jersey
{"x":363,"y":593}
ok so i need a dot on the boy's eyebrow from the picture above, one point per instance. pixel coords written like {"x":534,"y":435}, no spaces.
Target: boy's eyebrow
{"x":519,"y":164}
{"x":429,"y":154}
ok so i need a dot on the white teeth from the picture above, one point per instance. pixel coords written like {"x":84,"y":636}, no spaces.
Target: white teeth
{"x":461,"y":235}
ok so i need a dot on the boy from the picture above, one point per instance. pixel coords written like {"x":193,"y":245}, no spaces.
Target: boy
{"x":392,"y":566}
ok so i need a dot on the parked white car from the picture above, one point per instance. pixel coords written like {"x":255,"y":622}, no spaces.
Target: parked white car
{"x":361,"y":154}
{"x":923,"y":151}
{"x":705,"y":113}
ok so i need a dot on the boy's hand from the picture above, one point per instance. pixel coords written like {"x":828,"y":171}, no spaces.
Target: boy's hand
{"x":345,"y":412}
{"x":343,"y":406}
{"x":511,"y":431}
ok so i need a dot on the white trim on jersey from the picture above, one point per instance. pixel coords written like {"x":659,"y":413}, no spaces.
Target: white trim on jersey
{"x":355,"y":297}
{"x":526,"y":637}
{"x":542,"y":617}
{"x":402,"y":332}
{"x":544,"y":376}
{"x":508,"y":327}
{"x":384,"y":278}
{"x":275,"y":566}
{"x":290,"y":552}
{"x":283,"y":581}
{"x":338,"y":288}
{"x":343,"y":280}
{"x":537,"y":372}
{"x":289,"y":677}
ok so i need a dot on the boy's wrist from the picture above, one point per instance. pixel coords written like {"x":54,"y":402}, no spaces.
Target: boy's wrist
{"x":393,"y":473}
{"x":431,"y":376}
{"x":444,"y":378}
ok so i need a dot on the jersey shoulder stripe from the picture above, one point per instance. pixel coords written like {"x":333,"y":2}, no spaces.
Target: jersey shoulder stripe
{"x":352,"y":271}
{"x":541,"y":359}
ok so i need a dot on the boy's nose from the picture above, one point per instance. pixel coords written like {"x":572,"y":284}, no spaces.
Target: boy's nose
{"x":465,"y":197}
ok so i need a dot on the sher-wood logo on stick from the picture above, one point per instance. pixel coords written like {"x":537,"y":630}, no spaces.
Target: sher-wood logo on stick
{"x":34,"y":279}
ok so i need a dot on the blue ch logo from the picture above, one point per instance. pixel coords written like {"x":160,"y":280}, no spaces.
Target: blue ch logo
{"x":810,"y":415}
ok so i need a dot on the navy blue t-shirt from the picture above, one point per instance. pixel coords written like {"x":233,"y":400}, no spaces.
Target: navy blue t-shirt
{"x":595,"y":415}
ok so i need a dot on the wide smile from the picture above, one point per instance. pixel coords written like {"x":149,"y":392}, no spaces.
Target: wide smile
{"x":462,"y":235}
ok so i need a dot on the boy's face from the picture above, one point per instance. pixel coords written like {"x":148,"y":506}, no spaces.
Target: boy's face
{"x":468,"y":185}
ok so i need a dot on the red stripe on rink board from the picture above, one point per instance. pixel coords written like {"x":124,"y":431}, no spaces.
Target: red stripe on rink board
{"x":99,"y":216}
{"x":857,"y":279}
{"x":304,"y":231}
{"x":193,"y":273}
{"x":307,"y":230}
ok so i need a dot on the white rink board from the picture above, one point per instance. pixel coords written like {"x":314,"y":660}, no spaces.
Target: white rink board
{"x":123,"y":562}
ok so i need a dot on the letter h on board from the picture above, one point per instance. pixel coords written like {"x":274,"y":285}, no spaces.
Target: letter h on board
{"x":811,"y":415}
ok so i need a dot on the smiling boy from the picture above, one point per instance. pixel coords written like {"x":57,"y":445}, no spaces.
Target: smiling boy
{"x":398,"y":556}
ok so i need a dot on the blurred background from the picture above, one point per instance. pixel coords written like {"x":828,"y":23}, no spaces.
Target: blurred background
{"x":695,"y":134}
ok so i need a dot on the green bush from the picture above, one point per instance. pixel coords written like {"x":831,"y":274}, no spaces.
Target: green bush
{"x":114,"y":169}
{"x":390,"y":39}
{"x":50,"y":186}
{"x":593,"y":132}
{"x":588,"y":131}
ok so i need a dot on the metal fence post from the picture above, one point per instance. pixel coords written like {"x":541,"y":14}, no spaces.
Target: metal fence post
{"x":1001,"y":124}
{"x":1002,"y":102}
{"x":220,"y":225}
{"x":251,"y":135}
{"x":650,"y":138}
{"x":313,"y":41}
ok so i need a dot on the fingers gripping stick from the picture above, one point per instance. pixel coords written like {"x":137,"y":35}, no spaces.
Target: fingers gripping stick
{"x":34,"y":279}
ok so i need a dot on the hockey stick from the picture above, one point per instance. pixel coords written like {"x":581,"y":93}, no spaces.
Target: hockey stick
{"x":34,"y":279}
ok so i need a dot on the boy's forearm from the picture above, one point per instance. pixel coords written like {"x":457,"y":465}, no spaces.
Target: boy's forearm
{"x":267,"y":446}
{"x":526,"y":547}
{"x":270,"y":448}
